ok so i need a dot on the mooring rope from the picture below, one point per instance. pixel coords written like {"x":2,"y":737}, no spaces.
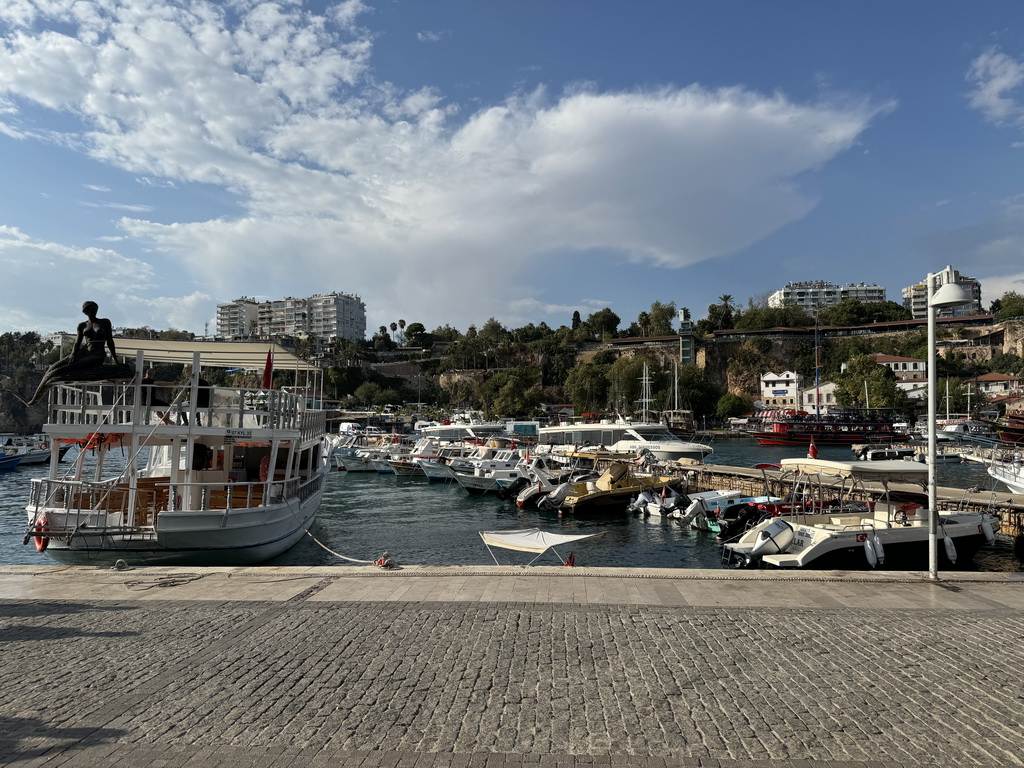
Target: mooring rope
{"x":336,"y":554}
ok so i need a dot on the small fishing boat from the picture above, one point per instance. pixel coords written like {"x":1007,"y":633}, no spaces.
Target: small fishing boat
{"x":9,"y":462}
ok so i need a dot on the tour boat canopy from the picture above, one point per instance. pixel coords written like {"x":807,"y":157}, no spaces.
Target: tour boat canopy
{"x":250,"y":355}
{"x":881,"y":471}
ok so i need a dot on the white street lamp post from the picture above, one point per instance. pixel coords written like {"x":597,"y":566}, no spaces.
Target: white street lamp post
{"x":946,"y":295}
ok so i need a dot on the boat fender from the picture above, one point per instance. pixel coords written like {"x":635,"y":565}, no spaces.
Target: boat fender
{"x":986,"y":529}
{"x":950,"y":549}
{"x":879,"y":549}
{"x":869,"y":553}
{"x":41,"y":528}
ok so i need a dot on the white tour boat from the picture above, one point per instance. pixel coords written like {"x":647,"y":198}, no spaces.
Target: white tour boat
{"x":228,"y":476}
{"x":625,"y":437}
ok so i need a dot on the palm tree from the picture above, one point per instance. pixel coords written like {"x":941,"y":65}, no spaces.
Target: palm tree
{"x":726,"y":301}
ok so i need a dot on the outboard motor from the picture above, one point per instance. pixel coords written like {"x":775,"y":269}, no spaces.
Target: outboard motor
{"x":774,"y":538}
{"x":737,"y":518}
{"x":512,"y":489}
{"x":554,"y":499}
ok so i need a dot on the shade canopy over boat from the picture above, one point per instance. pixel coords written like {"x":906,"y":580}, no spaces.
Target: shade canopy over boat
{"x":897,"y":471}
{"x":250,"y":355}
{"x":532,"y":540}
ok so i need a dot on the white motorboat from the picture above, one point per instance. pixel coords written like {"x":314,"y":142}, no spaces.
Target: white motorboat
{"x":838,"y":531}
{"x":32,"y":449}
{"x":238,"y":485}
{"x":624,"y":437}
{"x":491,"y":474}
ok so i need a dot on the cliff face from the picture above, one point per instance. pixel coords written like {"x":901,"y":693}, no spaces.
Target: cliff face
{"x":14,"y":415}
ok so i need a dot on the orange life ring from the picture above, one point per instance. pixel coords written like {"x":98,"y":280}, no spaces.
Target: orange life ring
{"x":41,"y":527}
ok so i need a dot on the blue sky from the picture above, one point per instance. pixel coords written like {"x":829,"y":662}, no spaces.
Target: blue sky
{"x":453,"y":161}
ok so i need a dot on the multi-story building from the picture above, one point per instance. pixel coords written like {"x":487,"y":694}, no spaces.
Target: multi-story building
{"x":325,"y":317}
{"x":237,"y":318}
{"x":915,"y":297}
{"x":820,"y":293}
{"x":781,"y":389}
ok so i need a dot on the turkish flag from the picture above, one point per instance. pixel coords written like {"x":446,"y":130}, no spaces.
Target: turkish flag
{"x":812,"y":451}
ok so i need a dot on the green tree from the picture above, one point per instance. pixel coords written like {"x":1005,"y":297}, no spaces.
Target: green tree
{"x":603,"y":324}
{"x":697,"y":392}
{"x":368,"y":393}
{"x":417,"y":335}
{"x":731,"y":406}
{"x":586,"y":387}
{"x":1010,"y":305}
{"x":866,"y":380}
{"x":662,"y":318}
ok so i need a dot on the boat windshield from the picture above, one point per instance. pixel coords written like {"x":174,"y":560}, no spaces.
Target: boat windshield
{"x":653,"y":433}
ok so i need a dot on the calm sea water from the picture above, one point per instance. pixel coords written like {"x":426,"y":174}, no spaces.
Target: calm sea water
{"x":365,"y":514}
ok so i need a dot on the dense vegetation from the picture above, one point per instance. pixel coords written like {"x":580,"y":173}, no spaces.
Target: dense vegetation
{"x":512,"y":371}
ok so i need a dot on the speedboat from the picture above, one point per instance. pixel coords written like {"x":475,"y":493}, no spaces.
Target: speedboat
{"x":841,"y":527}
{"x":238,"y":485}
{"x":609,"y":493}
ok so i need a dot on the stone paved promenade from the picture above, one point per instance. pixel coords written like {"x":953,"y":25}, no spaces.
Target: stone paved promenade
{"x":509,"y":667}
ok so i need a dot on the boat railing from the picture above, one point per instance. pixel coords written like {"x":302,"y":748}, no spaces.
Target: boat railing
{"x":94,"y":404}
{"x":100,"y":504}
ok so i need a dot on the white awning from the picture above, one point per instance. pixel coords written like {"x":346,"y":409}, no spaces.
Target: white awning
{"x":531,"y":539}
{"x":880,"y":471}
{"x":250,"y":355}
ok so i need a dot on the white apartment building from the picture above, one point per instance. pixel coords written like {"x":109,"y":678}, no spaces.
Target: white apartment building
{"x":809,"y":294}
{"x":915,"y":297}
{"x":325,"y":317}
{"x":781,"y":389}
{"x":821,"y":397}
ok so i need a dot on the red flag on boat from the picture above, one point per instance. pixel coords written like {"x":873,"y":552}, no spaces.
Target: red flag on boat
{"x":812,"y":451}
{"x":268,"y":369}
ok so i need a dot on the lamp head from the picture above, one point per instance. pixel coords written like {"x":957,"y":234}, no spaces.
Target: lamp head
{"x":949,"y":295}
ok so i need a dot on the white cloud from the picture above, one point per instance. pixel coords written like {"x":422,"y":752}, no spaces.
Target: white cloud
{"x":355,"y":185}
{"x":430,"y":36}
{"x":997,"y":80}
{"x":96,"y":188}
{"x":130,"y":207}
{"x":49,"y":281}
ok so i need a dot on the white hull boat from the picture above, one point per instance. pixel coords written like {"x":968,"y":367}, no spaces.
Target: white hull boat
{"x":858,"y":534}
{"x":1009,"y":473}
{"x":240,"y":489}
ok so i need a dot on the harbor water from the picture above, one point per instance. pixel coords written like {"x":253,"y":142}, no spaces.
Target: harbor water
{"x":420,"y":523}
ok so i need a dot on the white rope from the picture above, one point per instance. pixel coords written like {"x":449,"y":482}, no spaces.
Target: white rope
{"x":350,"y":559}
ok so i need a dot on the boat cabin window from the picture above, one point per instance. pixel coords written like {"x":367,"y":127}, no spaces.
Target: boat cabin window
{"x":653,"y":433}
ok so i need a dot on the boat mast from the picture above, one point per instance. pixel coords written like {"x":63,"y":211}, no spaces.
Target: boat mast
{"x":817,"y":369}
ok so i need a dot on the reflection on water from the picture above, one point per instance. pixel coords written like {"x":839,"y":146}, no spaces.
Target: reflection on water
{"x":364,"y":514}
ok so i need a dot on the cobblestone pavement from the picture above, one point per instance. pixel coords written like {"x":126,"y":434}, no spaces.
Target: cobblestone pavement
{"x":302,"y":668}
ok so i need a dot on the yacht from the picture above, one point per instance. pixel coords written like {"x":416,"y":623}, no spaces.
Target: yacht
{"x":625,"y":437}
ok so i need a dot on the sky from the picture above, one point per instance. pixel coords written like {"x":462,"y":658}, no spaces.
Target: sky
{"x":455,"y":160}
